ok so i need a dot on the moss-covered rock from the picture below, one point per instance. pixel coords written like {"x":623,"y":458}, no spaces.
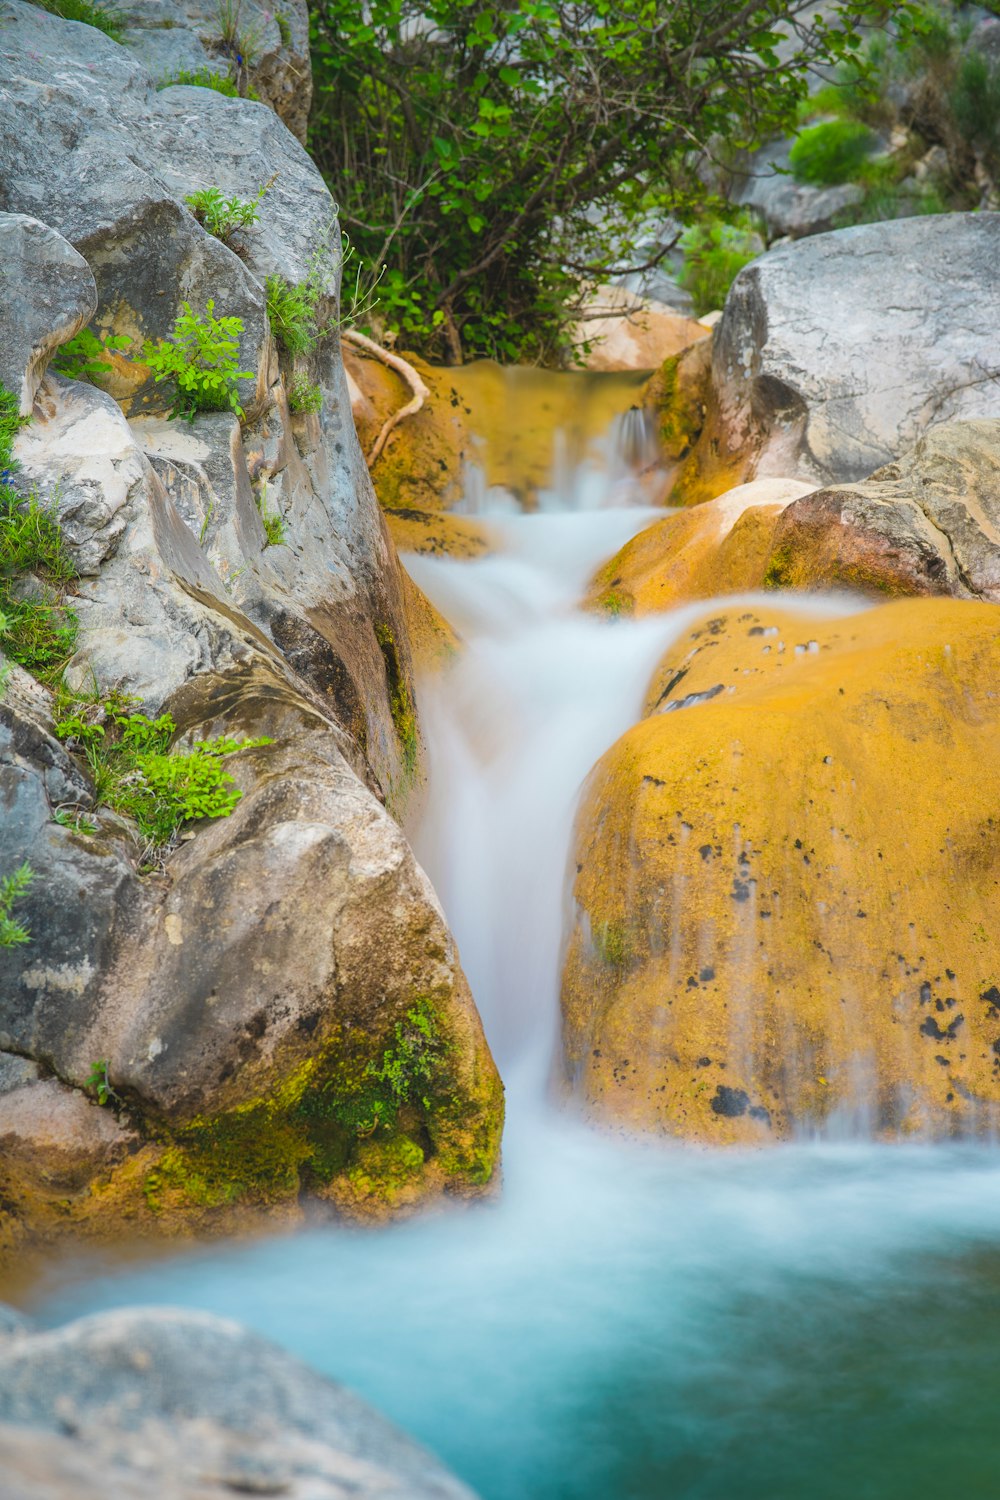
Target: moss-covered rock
{"x":788,"y":882}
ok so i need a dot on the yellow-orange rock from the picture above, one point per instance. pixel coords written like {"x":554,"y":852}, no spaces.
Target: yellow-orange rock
{"x":626,"y":332}
{"x":437,"y":533}
{"x":433,"y":642}
{"x":721,"y":547}
{"x":513,"y":424}
{"x":788,"y":890}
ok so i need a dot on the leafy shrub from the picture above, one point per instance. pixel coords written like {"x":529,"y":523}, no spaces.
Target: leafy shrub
{"x":223,"y":217}
{"x":106,"y":18}
{"x":12,"y":888}
{"x":303,"y":395}
{"x":833,"y":152}
{"x":975,"y":104}
{"x":292,"y":312}
{"x":85,"y":356}
{"x":201,"y":359}
{"x":204,"y":78}
{"x":714,"y":253}
{"x":271,"y":520}
{"x":136,"y":772}
{"x":37,"y":633}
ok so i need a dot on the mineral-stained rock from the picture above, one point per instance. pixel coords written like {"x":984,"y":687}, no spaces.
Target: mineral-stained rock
{"x":48,"y":295}
{"x":721,"y":547}
{"x":926,"y":524}
{"x":186,"y":1406}
{"x":788,"y":882}
{"x":244,"y":1003}
{"x":835,"y":353}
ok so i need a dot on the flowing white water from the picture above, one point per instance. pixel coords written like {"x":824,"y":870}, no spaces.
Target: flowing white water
{"x":626,"y":1322}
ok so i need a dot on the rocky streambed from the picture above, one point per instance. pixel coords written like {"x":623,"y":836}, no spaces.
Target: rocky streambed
{"x":757,"y":728}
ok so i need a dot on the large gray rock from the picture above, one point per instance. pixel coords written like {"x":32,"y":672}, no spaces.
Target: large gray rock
{"x":835,"y":353}
{"x":109,"y":163}
{"x":277,"y":951}
{"x":171,"y":36}
{"x":47,"y":294}
{"x":926,"y":524}
{"x":186,"y":1406}
{"x":786,"y":206}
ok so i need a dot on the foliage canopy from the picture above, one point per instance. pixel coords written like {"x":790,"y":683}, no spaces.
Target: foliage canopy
{"x":498,"y":156}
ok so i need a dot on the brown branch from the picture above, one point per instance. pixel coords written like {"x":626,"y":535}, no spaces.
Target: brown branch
{"x":409,"y":374}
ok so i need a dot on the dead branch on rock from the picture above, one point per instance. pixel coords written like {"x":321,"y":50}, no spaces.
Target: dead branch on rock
{"x":409,"y":374}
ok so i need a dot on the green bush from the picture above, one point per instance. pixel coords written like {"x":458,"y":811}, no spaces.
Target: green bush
{"x":106,"y":18}
{"x":223,"y":217}
{"x":714,"y":253}
{"x":833,"y":152}
{"x":303,"y":395}
{"x":39,"y":633}
{"x":204,"y":78}
{"x":12,"y":888}
{"x":271,"y":520}
{"x":292,"y":312}
{"x":85,"y":357}
{"x":135,"y":771}
{"x":201,"y":359}
{"x":975,"y":105}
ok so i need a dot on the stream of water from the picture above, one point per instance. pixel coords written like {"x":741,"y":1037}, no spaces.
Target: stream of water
{"x":636,"y":1321}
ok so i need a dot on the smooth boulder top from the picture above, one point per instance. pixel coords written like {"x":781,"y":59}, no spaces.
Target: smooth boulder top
{"x":193,"y":1406}
{"x":836,"y":352}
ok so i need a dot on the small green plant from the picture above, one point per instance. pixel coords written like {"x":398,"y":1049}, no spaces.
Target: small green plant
{"x":292,"y":313}
{"x":830,"y":153}
{"x":204,"y":78}
{"x":401,"y":1077}
{"x":284,"y":28}
{"x":12,"y":887}
{"x":106,"y":18}
{"x":85,"y":356}
{"x":975,"y":105}
{"x":99,"y":1082}
{"x":201,"y":359}
{"x":303,"y":395}
{"x":36,"y":629}
{"x":225,"y":217}
{"x":714,"y":253}
{"x":271,"y":520}
{"x":136,"y":772}
{"x":74,"y":820}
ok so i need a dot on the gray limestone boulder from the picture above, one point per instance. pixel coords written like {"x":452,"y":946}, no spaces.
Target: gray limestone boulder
{"x":271,"y":43}
{"x":270,"y":956}
{"x":835,"y":353}
{"x":47,"y":294}
{"x":928,"y":523}
{"x":188,"y":1406}
{"x":788,"y":207}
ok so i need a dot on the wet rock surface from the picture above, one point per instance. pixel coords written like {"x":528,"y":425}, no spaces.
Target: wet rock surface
{"x":190,"y":1407}
{"x":928,"y":523}
{"x":786,"y":875}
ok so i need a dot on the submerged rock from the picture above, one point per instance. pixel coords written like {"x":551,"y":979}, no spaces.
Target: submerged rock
{"x":788,"y":876}
{"x":836,"y":352}
{"x":187,"y":1406}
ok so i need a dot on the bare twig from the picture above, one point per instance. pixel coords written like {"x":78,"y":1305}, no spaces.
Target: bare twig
{"x":409,"y":374}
